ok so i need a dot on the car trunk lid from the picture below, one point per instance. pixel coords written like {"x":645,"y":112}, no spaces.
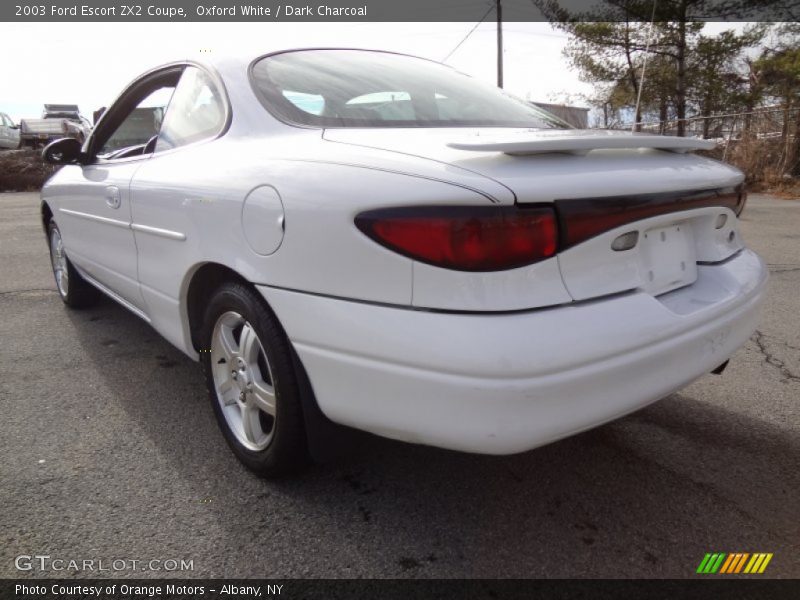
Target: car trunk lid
{"x":542,"y":168}
{"x":614,"y":173}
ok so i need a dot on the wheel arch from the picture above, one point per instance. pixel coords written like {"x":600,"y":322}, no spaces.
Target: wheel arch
{"x":199,"y":283}
{"x":326,"y":440}
{"x":46,"y":215}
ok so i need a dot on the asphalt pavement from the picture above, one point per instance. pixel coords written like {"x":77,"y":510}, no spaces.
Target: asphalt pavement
{"x":110,"y":451}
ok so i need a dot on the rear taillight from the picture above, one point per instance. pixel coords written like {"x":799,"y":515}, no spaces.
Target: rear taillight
{"x":465,"y":238}
{"x":584,"y":218}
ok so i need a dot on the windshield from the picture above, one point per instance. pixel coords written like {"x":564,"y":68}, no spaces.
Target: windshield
{"x":357,"y":88}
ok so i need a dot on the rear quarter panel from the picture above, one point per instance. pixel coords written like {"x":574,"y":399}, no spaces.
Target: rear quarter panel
{"x":198,"y":192}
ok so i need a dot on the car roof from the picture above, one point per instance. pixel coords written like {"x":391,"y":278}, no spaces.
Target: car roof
{"x":218,"y":60}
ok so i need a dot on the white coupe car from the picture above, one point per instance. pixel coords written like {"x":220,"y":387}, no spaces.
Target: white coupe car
{"x":369,"y":239}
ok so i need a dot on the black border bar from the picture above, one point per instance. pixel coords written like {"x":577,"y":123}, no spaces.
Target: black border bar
{"x":392,"y":10}
{"x":701,"y":588}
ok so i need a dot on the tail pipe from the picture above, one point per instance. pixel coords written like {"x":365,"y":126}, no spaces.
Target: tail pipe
{"x":721,"y":368}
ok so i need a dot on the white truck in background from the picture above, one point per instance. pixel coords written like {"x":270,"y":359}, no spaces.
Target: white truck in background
{"x":58,"y":121}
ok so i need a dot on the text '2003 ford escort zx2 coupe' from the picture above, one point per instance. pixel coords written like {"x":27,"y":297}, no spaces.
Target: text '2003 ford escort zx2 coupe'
{"x":375,"y":240}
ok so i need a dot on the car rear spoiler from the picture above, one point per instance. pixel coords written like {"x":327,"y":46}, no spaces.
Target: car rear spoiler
{"x":578,"y":143}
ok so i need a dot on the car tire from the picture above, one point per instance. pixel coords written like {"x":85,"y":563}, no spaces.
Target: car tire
{"x":73,"y":289}
{"x":253,"y":387}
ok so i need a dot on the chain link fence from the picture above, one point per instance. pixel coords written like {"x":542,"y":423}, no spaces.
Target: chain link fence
{"x":764,"y":142}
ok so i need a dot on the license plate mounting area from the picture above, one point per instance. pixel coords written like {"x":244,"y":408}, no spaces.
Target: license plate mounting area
{"x":668,"y":258}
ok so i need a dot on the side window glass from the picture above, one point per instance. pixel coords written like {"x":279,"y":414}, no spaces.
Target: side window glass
{"x":141,"y":124}
{"x":196,"y":111}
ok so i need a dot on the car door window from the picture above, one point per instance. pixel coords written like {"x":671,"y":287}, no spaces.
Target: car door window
{"x":195,"y":113}
{"x":141,"y":124}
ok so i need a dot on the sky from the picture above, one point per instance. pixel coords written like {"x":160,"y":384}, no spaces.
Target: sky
{"x":90,"y":63}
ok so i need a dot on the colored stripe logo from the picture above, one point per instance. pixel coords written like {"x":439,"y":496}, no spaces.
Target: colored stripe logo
{"x":733,"y":563}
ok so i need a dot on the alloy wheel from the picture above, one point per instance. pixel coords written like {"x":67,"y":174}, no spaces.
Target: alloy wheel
{"x":58,"y":259}
{"x":243,"y":381}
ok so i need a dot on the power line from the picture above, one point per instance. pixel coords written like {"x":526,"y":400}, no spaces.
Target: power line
{"x":644,"y":67}
{"x":471,"y":31}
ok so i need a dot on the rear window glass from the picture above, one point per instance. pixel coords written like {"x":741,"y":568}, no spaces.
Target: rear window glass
{"x":357,"y":88}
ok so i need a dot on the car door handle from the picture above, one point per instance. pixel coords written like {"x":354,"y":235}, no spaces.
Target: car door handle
{"x":113,"y":197}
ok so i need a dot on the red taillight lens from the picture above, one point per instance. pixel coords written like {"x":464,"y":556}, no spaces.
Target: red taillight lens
{"x":465,"y":238}
{"x":584,"y":218}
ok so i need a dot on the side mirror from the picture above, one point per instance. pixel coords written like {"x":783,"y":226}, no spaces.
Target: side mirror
{"x":65,"y":151}
{"x":14,"y":127}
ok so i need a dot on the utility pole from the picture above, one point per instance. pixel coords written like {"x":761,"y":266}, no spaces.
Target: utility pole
{"x":499,"y":10}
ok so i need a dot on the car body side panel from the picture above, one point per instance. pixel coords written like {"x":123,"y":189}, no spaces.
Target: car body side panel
{"x":91,"y":205}
{"x":321,"y":252}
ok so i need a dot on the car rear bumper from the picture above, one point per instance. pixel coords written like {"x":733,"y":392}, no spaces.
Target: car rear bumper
{"x":505,"y":383}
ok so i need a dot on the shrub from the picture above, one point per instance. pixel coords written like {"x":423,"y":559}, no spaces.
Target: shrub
{"x":23,"y":170}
